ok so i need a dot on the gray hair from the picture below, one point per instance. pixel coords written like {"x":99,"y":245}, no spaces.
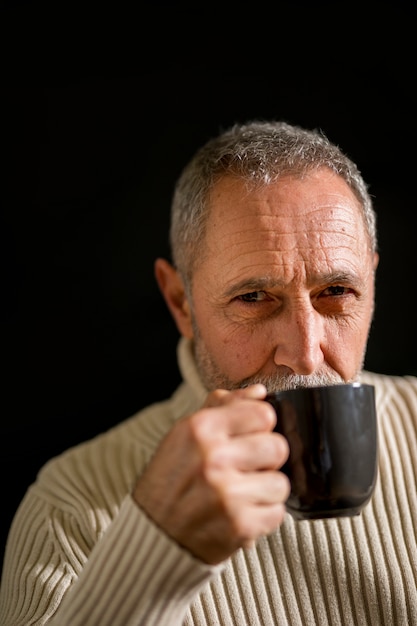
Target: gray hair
{"x":259,"y":153}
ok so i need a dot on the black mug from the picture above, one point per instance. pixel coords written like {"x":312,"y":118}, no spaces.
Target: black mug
{"x":332,"y":435}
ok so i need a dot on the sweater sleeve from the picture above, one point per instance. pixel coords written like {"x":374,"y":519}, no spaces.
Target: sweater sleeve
{"x":134,"y":574}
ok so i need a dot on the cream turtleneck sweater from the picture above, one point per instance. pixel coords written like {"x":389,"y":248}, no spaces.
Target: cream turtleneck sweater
{"x":82,"y":553}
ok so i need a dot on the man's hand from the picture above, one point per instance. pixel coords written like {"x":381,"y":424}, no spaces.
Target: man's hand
{"x":213,"y":483}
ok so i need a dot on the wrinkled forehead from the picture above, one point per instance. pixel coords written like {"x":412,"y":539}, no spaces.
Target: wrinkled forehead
{"x":321,"y":200}
{"x":289,"y":236}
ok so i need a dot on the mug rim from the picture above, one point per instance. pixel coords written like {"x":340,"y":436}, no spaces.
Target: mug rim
{"x":350,"y":385}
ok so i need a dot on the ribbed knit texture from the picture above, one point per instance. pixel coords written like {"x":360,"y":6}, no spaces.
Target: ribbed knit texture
{"x":81,"y":550}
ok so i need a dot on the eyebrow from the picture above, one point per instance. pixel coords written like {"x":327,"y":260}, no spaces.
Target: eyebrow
{"x":264,"y":283}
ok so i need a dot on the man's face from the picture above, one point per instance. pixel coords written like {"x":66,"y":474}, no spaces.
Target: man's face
{"x":284,"y":292}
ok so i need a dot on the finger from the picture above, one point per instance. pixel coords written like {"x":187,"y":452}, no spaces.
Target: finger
{"x":257,"y":391}
{"x":255,"y":488}
{"x":222,"y":396}
{"x":259,"y":521}
{"x":253,"y":452}
{"x":233,"y":418}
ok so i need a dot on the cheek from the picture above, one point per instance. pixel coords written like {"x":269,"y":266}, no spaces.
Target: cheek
{"x":242,"y":359}
{"x":236,"y":348}
{"x":345,"y":343}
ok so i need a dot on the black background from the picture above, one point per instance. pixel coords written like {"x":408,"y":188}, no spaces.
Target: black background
{"x":101,"y":112}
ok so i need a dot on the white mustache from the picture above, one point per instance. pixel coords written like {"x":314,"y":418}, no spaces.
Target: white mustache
{"x":282,"y":382}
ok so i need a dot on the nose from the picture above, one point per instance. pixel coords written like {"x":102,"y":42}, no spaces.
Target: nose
{"x":300,"y":339}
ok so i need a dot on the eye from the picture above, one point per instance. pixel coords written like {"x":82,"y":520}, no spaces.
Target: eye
{"x":253,"y":296}
{"x":337,"y":290}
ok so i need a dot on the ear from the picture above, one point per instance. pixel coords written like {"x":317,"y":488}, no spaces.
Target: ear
{"x":376,"y":260}
{"x":172,"y":288}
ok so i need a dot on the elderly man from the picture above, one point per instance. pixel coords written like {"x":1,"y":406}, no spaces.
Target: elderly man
{"x":177,"y":515}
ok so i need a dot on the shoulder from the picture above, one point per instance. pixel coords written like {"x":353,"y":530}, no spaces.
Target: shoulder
{"x":110,"y":463}
{"x":100,"y":472}
{"x":395,"y":395}
{"x":391,"y":383}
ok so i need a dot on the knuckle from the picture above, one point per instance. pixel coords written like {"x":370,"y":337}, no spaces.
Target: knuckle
{"x":284,"y":485}
{"x":197,"y":424}
{"x":267,"y":413}
{"x":282,"y":448}
{"x":217,"y":397}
